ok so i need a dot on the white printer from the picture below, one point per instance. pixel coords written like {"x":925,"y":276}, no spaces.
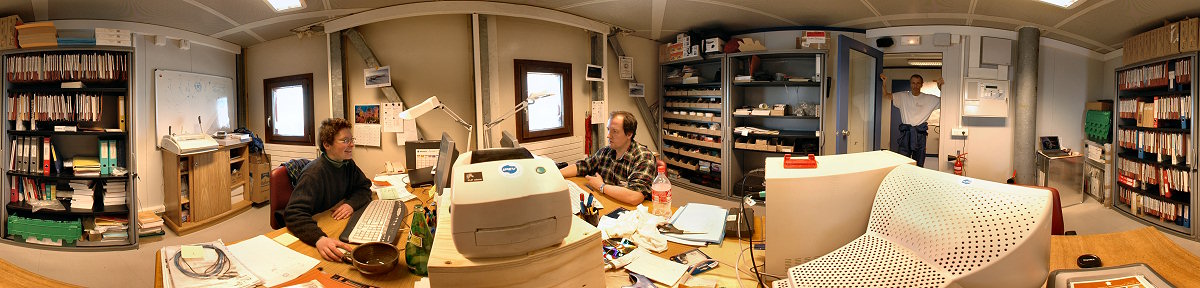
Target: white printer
{"x":505,"y":202}
{"x":188,"y":144}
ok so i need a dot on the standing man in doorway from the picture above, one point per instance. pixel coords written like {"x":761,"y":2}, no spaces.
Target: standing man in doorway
{"x":915,"y":108}
{"x":624,"y":163}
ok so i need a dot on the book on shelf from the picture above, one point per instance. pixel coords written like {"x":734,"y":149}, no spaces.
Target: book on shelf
{"x":37,"y":34}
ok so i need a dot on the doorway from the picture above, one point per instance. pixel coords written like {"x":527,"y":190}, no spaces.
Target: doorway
{"x":899,"y":68}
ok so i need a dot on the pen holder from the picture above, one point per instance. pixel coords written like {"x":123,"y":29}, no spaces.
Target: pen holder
{"x":589,"y":216}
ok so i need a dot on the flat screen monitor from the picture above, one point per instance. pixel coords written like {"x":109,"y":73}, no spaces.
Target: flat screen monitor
{"x":446,"y":155}
{"x":507,"y":140}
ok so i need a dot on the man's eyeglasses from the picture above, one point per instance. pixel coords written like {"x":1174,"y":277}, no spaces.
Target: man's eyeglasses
{"x":345,"y":140}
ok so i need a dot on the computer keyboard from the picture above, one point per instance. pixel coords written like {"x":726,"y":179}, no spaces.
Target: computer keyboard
{"x":380,"y":221}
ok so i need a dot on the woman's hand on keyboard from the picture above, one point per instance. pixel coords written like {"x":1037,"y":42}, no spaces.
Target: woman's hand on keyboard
{"x":328,"y":248}
{"x":342,"y":211}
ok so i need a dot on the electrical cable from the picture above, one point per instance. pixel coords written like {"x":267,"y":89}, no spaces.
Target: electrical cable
{"x":753,"y":267}
{"x":218,"y":269}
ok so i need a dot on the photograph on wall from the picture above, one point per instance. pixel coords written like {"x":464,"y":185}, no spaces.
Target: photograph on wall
{"x":367,"y":129}
{"x":378,"y":77}
{"x":637,"y":90}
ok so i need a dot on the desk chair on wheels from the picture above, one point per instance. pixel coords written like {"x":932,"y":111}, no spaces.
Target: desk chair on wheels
{"x":281,"y":192}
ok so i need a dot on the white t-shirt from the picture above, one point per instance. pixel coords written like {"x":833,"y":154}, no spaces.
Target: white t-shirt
{"x":915,"y":110}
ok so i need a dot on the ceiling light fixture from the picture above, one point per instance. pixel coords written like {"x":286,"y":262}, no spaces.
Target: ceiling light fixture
{"x":1065,"y":4}
{"x":925,"y":62}
{"x":281,"y":6}
{"x":910,"y":40}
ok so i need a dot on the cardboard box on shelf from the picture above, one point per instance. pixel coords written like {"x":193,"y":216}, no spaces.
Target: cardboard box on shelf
{"x":1099,"y":105}
{"x":260,"y":178}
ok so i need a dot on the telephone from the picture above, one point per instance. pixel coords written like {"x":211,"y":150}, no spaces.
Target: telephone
{"x":188,"y":144}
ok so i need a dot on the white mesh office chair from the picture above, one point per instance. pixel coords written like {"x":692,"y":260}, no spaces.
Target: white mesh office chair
{"x":934,"y":229}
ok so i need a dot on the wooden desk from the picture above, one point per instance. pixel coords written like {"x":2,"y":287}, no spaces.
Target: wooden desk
{"x":1144,"y":245}
{"x":724,"y":273}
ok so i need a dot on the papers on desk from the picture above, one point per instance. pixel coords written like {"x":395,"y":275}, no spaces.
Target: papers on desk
{"x":707,"y":219}
{"x":272,"y":262}
{"x":173,"y":277}
{"x":656,"y":268}
{"x":391,"y":187}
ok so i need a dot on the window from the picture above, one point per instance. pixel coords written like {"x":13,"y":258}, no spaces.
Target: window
{"x":549,"y":117}
{"x":289,"y":109}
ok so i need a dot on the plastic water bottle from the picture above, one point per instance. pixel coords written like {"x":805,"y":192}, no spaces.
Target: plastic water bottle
{"x":661,"y":193}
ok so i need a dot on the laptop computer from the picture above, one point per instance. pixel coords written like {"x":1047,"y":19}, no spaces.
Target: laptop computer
{"x":1051,"y":147}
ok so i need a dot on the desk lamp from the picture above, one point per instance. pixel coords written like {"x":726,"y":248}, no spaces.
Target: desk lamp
{"x":433,"y":103}
{"x":487,"y":128}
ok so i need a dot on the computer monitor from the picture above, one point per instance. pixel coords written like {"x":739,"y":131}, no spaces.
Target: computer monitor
{"x":446,"y":155}
{"x":420,"y":157}
{"x":507,"y":140}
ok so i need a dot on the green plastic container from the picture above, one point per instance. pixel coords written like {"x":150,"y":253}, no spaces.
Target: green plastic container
{"x":1098,"y":125}
{"x":23,"y":228}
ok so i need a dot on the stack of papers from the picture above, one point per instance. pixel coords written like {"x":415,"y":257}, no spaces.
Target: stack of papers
{"x":114,"y":193}
{"x":149,"y":224}
{"x":706,"y":221}
{"x":86,"y":166}
{"x":172,"y":277}
{"x":391,"y":187}
{"x":37,"y":34}
{"x":109,"y":228}
{"x":82,"y":195}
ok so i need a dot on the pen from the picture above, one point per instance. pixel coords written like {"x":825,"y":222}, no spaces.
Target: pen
{"x":589,"y":199}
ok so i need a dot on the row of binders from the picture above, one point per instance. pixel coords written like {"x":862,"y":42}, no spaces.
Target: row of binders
{"x":1165,"y":211}
{"x":1169,"y":147}
{"x":25,"y":189}
{"x":1168,"y":180}
{"x":93,"y":66}
{"x":1156,"y":75}
{"x":34,"y":154}
{"x":1167,"y":107}
{"x":54,"y":107}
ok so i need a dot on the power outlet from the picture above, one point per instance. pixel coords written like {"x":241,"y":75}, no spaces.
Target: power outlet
{"x":959,"y":132}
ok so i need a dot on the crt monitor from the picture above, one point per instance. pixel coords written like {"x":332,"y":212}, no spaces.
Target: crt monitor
{"x":446,"y":155}
{"x":507,"y":140}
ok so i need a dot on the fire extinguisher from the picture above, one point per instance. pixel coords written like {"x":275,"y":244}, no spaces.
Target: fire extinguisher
{"x":959,"y":162}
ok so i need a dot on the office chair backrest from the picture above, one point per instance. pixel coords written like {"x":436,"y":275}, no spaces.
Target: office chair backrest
{"x":281,"y":192}
{"x":982,"y":233}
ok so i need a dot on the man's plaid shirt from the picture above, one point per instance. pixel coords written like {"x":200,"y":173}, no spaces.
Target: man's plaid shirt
{"x":634,"y":171}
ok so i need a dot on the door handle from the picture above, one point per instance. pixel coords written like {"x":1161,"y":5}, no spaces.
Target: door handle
{"x":845,"y":133}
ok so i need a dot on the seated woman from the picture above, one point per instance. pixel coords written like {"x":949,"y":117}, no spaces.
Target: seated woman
{"x":331,"y":179}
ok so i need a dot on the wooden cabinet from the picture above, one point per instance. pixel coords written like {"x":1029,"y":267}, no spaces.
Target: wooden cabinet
{"x":203,"y":188}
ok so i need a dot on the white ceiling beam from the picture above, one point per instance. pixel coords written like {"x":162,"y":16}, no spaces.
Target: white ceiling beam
{"x":41,"y":10}
{"x":584,"y":3}
{"x":289,"y":17}
{"x":658,"y":10}
{"x":223,"y":17}
{"x":971,"y":12}
{"x":1081,"y":12}
{"x":465,"y":7}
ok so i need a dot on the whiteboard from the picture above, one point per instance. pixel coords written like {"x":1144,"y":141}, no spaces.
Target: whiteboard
{"x":180,"y":97}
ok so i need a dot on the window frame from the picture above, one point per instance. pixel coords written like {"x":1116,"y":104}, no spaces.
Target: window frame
{"x":522,"y":67}
{"x":306,"y":82}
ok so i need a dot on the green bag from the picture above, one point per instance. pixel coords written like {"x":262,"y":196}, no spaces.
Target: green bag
{"x":420,"y":242}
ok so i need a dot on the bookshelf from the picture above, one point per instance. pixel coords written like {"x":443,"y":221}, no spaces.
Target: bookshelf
{"x":693,"y":117}
{"x":791,"y":85}
{"x":70,"y":124}
{"x":1154,"y":132}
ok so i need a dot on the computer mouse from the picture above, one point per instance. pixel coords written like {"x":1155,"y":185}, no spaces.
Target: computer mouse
{"x":1088,"y":261}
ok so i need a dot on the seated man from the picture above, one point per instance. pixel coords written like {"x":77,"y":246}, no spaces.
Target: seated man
{"x":328,"y":180}
{"x":624,"y":163}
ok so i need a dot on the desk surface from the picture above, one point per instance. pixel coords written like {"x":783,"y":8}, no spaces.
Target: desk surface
{"x":1144,"y":245}
{"x":724,"y":274}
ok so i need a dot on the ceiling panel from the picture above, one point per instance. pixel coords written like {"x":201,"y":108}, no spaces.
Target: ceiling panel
{"x":246,"y":11}
{"x":867,"y":25}
{"x":1112,"y":23}
{"x":24,"y":9}
{"x":993,"y":24}
{"x":556,"y":4}
{"x":808,"y":14}
{"x":1068,"y":39}
{"x":630,"y":14}
{"x":892,"y":7}
{"x":342,"y":4}
{"x":283,"y":29}
{"x":685,"y":15}
{"x":1031,"y":11}
{"x":241,"y":38}
{"x":177,"y":14}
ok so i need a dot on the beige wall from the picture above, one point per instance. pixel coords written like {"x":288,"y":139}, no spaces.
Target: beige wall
{"x":429,"y":56}
{"x":645,"y":70}
{"x":284,"y":57}
{"x":523,"y":38}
